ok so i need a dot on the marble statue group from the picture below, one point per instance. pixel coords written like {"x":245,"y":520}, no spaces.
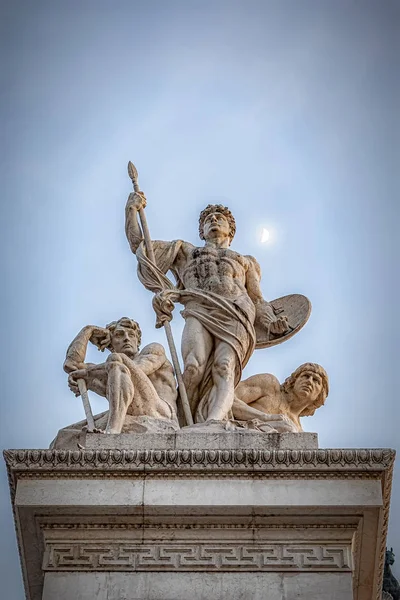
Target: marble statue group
{"x":197,"y":481}
{"x":226,"y":320}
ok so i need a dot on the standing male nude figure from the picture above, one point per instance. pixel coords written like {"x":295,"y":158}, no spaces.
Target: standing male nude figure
{"x":220,"y":290}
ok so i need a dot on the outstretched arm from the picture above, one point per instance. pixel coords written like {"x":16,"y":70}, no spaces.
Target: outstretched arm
{"x":278,"y":422}
{"x":243,"y":412}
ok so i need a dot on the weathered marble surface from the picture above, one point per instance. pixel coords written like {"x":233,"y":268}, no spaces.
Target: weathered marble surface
{"x":214,"y":510}
{"x":149,"y":433}
{"x":74,"y":436}
{"x":198,"y":586}
{"x":190,"y":439}
{"x":224,"y":313}
{"x":160,"y":521}
{"x":136,"y":384}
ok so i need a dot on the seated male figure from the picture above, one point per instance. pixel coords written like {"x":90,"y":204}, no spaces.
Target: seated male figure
{"x":135,"y":383}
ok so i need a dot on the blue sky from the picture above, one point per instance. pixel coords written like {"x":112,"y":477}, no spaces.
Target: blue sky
{"x":286,"y":111}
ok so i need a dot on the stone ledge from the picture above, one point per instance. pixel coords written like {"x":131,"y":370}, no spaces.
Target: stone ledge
{"x":193,"y":440}
{"x":236,"y":460}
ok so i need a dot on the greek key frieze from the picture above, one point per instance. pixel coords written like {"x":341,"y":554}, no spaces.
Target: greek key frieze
{"x":83,"y":556}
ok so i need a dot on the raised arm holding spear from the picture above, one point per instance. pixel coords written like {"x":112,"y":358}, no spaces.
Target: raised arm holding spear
{"x":133,"y":174}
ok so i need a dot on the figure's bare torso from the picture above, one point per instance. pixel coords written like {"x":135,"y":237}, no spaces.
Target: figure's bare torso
{"x":218,"y":270}
{"x":164,"y":383}
{"x":262,"y":392}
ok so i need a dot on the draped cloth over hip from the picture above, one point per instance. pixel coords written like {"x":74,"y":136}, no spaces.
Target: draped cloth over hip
{"x":226,"y":322}
{"x":224,"y":319}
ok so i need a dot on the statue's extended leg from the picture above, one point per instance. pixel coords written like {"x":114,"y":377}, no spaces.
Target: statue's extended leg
{"x":197,"y":344}
{"x":120,"y":393}
{"x":221,"y":396}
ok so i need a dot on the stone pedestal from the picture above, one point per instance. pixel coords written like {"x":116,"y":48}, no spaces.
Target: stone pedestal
{"x":211,"y":522}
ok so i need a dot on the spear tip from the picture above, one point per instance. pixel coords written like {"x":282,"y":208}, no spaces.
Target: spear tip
{"x":132,"y":171}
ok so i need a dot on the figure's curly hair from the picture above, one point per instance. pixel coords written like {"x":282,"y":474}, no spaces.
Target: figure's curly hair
{"x":219,"y":208}
{"x":127,"y":324}
{"x":288,"y":384}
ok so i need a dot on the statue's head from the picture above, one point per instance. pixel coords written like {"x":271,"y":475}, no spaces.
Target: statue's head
{"x":216,"y":221}
{"x":308,"y":385}
{"x":125,"y":335}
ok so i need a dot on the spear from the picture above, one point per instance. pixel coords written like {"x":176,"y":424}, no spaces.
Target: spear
{"x":86,"y":404}
{"x":71,"y":363}
{"x":133,"y":174}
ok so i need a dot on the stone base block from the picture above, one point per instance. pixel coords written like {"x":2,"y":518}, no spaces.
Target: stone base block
{"x":194,"y":440}
{"x":197,"y":586}
{"x":198,"y":524}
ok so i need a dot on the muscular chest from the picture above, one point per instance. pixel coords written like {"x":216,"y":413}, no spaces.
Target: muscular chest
{"x":216,"y":262}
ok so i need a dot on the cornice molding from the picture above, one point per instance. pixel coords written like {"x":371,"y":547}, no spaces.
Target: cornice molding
{"x":189,"y":460}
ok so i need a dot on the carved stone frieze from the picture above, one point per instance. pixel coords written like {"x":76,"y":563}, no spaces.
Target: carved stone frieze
{"x":182,"y":556}
{"x":215,"y":460}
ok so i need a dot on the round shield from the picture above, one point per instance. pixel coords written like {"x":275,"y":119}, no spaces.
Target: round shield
{"x":296,"y":308}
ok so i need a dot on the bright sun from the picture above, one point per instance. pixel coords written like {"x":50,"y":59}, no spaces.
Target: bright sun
{"x":264,"y":236}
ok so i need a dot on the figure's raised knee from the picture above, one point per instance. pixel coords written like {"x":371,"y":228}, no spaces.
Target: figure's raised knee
{"x":114,"y":357}
{"x":114,"y":361}
{"x":224,"y":368}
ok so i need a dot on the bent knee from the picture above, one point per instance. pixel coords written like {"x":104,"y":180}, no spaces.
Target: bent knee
{"x":193,"y":367}
{"x":114,"y":361}
{"x":114,"y":357}
{"x":224,"y":368}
